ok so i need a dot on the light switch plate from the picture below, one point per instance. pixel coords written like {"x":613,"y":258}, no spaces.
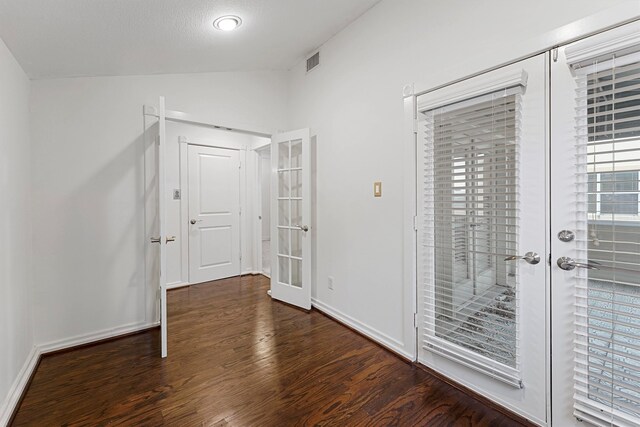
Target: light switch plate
{"x":377,"y":189}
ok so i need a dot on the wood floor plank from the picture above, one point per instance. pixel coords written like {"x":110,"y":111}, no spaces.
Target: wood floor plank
{"x":237,"y":358}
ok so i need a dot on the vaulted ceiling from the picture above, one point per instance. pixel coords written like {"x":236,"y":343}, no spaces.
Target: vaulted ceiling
{"x":65,"y":38}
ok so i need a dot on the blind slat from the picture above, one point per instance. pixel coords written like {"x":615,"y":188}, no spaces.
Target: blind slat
{"x":468,"y":225}
{"x":607,"y":307}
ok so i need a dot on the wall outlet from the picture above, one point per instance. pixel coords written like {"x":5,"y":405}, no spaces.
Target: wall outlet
{"x":330,"y":282}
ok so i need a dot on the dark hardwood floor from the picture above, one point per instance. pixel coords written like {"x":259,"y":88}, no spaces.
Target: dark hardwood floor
{"x":238,"y":358}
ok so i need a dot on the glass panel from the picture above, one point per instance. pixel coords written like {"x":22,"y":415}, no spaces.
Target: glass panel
{"x":296,"y":183}
{"x":296,"y":273}
{"x":283,"y":241}
{"x":283,"y":184}
{"x":619,"y":204}
{"x":296,"y":154}
{"x":613,"y":234}
{"x":283,"y":212}
{"x":475,"y":206}
{"x":296,"y":212}
{"x":296,"y":243}
{"x":283,"y":155}
{"x":283,"y":270}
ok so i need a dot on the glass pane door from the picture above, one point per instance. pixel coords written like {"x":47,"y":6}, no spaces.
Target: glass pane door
{"x":291,"y":233}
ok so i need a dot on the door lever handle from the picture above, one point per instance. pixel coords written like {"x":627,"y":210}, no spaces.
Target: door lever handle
{"x":193,"y":221}
{"x":170,"y":239}
{"x":304,"y":228}
{"x":155,"y":240}
{"x":568,"y":264}
{"x":530,"y":257}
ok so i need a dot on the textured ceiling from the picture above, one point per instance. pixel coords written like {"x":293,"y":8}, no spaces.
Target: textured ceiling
{"x":65,"y":38}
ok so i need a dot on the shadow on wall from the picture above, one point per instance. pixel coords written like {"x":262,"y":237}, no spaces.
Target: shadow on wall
{"x":105,"y":227}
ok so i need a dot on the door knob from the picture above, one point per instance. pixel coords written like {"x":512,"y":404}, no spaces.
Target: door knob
{"x":193,"y":221}
{"x":304,"y":228}
{"x":568,"y":264}
{"x":530,"y":257}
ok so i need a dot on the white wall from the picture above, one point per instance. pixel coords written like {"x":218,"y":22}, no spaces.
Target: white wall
{"x":88,"y":188}
{"x":16,"y":331}
{"x":353,"y":102}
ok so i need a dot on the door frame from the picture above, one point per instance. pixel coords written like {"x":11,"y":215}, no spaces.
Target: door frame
{"x":545,"y":44}
{"x":259,"y":214}
{"x":482,"y":84}
{"x":246,"y":159}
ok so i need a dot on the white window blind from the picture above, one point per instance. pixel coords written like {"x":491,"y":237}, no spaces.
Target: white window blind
{"x":607,"y":328}
{"x":468,"y":215}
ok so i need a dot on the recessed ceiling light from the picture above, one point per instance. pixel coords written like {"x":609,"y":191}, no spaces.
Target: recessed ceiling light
{"x":227,"y":23}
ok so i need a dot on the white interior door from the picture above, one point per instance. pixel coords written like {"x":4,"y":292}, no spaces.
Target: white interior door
{"x":290,"y":218}
{"x":482,"y":239}
{"x":595,"y":230}
{"x":214,"y":213}
{"x":162,"y":224}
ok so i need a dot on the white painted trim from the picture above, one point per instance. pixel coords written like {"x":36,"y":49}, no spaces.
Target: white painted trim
{"x":368,"y":331}
{"x":183,"y":172}
{"x":19,"y":385}
{"x":471,"y":386}
{"x":612,"y":41}
{"x":262,"y":147}
{"x":94,"y":336}
{"x":180,"y":116}
{"x":480,"y":85}
{"x":409,"y":271}
{"x":176,"y":285}
{"x":258,"y":215}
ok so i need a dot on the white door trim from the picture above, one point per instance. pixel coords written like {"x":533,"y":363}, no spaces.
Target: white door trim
{"x":257,"y":203}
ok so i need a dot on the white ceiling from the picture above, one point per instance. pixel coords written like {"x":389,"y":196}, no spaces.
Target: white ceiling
{"x":65,"y":38}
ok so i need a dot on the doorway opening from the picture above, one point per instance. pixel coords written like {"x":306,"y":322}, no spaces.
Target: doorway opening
{"x":264,"y":208}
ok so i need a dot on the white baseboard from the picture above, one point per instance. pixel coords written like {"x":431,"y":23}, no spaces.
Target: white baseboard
{"x":18,"y":386}
{"x":30,"y":364}
{"x":260,"y":273}
{"x":94,"y":336}
{"x":368,"y":331}
{"x":176,"y":285}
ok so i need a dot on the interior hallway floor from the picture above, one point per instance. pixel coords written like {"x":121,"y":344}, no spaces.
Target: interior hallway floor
{"x":238,"y":358}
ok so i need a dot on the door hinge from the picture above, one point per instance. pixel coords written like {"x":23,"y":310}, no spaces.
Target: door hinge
{"x":415,"y":126}
{"x":415,"y":320}
{"x":415,"y":223}
{"x":555,"y":54}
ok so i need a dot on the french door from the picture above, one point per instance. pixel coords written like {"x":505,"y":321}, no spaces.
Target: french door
{"x":595,"y":234}
{"x":290,"y":218}
{"x":529,"y":233}
{"x":482,"y":239}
